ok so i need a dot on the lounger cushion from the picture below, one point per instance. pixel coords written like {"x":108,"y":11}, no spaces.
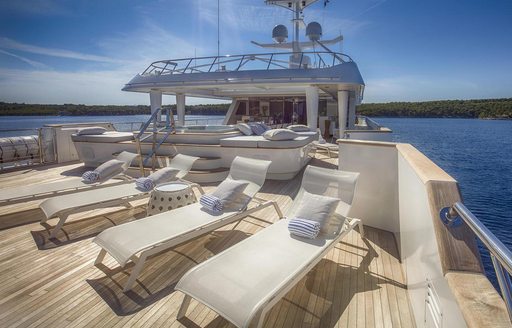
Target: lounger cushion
{"x":280,"y":134}
{"x":244,"y":128}
{"x":317,"y":208}
{"x":230,"y":193}
{"x":242,"y":141}
{"x":283,"y":144}
{"x":91,"y":130}
{"x":299,"y":128}
{"x":110,"y":168}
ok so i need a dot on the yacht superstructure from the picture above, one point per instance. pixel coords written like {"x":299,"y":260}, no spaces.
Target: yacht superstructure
{"x":302,"y":85}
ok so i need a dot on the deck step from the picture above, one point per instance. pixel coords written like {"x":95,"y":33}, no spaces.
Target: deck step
{"x":207,"y":176}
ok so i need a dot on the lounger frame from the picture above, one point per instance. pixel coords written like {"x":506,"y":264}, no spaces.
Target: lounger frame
{"x":259,"y":314}
{"x":125,"y":201}
{"x":140,"y":259}
{"x":123,"y":178}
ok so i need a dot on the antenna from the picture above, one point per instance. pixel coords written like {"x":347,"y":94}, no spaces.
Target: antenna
{"x":218,"y":33}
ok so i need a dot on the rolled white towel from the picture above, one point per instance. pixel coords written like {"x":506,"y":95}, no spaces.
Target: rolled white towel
{"x":144,"y":184}
{"x":304,"y":228}
{"x":90,"y":177}
{"x":211,"y":203}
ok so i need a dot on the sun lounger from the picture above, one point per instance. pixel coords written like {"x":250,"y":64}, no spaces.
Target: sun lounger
{"x":117,"y":195}
{"x":139,"y":239}
{"x":20,"y":194}
{"x":245,"y":281}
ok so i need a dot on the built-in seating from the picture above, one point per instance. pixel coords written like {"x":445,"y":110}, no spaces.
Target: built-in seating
{"x":109,"y":136}
{"x":261,"y":142}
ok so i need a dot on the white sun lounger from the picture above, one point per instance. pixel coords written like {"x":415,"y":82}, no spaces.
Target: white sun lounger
{"x":139,"y":239}
{"x":245,"y":281}
{"x":20,"y":194}
{"x":109,"y":196}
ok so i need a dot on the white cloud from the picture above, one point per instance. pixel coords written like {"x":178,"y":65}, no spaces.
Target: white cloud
{"x":85,"y":87}
{"x":7,"y":43}
{"x":32,"y":63}
{"x":149,"y":43}
{"x":130,"y":54}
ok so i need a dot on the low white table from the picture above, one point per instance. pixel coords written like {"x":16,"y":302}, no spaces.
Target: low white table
{"x":168,"y":196}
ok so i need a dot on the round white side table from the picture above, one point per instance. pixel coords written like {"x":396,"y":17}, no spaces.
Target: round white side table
{"x":168,"y":196}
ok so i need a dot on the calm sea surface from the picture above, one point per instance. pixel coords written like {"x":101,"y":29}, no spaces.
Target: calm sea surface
{"x":478,"y":153}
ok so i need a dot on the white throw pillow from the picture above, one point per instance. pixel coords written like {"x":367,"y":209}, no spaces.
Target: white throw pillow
{"x":280,"y":134}
{"x":110,"y":168}
{"x":244,"y":128}
{"x":299,"y":128}
{"x":91,"y":130}
{"x":163,"y":175}
{"x":230,"y":193}
{"x":317,"y":208}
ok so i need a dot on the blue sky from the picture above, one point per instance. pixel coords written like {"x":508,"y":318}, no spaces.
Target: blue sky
{"x":84,"y":51}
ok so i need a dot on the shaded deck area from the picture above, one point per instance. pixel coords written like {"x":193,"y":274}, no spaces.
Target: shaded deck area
{"x":53,"y":283}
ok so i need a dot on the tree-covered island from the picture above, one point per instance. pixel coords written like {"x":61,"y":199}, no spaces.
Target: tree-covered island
{"x":478,"y":108}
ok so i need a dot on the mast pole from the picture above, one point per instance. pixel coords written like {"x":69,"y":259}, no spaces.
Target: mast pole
{"x":218,"y":33}
{"x":296,"y":24}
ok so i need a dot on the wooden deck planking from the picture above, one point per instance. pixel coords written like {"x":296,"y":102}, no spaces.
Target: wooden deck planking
{"x":358,"y":284}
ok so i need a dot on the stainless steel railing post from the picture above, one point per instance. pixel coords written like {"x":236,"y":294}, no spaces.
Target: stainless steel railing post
{"x":501,"y":256}
{"x":504,"y":282}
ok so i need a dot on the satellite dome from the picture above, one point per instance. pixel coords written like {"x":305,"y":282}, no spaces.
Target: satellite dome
{"x":280,"y":33}
{"x":314,"y":31}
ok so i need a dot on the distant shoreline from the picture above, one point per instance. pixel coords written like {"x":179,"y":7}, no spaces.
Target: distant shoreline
{"x":493,"y":109}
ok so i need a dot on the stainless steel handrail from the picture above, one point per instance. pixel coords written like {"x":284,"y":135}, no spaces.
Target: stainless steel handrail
{"x":161,"y":67}
{"x":501,"y":256}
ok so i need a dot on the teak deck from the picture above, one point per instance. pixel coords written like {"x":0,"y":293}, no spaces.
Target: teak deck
{"x":55,"y":284}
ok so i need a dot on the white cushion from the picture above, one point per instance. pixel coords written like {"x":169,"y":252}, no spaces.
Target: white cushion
{"x":280,"y":134}
{"x":244,"y":128}
{"x":163,"y":175}
{"x":257,"y":128}
{"x":317,"y":208}
{"x":299,"y":128}
{"x":91,"y":130}
{"x":110,"y":168}
{"x":230,"y":193}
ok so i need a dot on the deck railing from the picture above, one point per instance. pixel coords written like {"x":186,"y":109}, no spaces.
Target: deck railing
{"x":501,"y":256}
{"x":264,"y":61}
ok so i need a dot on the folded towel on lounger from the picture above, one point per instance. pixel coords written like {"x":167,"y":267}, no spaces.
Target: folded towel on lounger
{"x":304,"y":228}
{"x":90,"y":177}
{"x":144,"y":184}
{"x":211,"y":203}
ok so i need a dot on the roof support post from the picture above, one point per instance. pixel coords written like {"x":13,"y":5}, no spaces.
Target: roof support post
{"x":312,"y":107}
{"x":155,"y":99}
{"x":352,"y":111}
{"x":180,"y":105}
{"x":343,"y":100}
